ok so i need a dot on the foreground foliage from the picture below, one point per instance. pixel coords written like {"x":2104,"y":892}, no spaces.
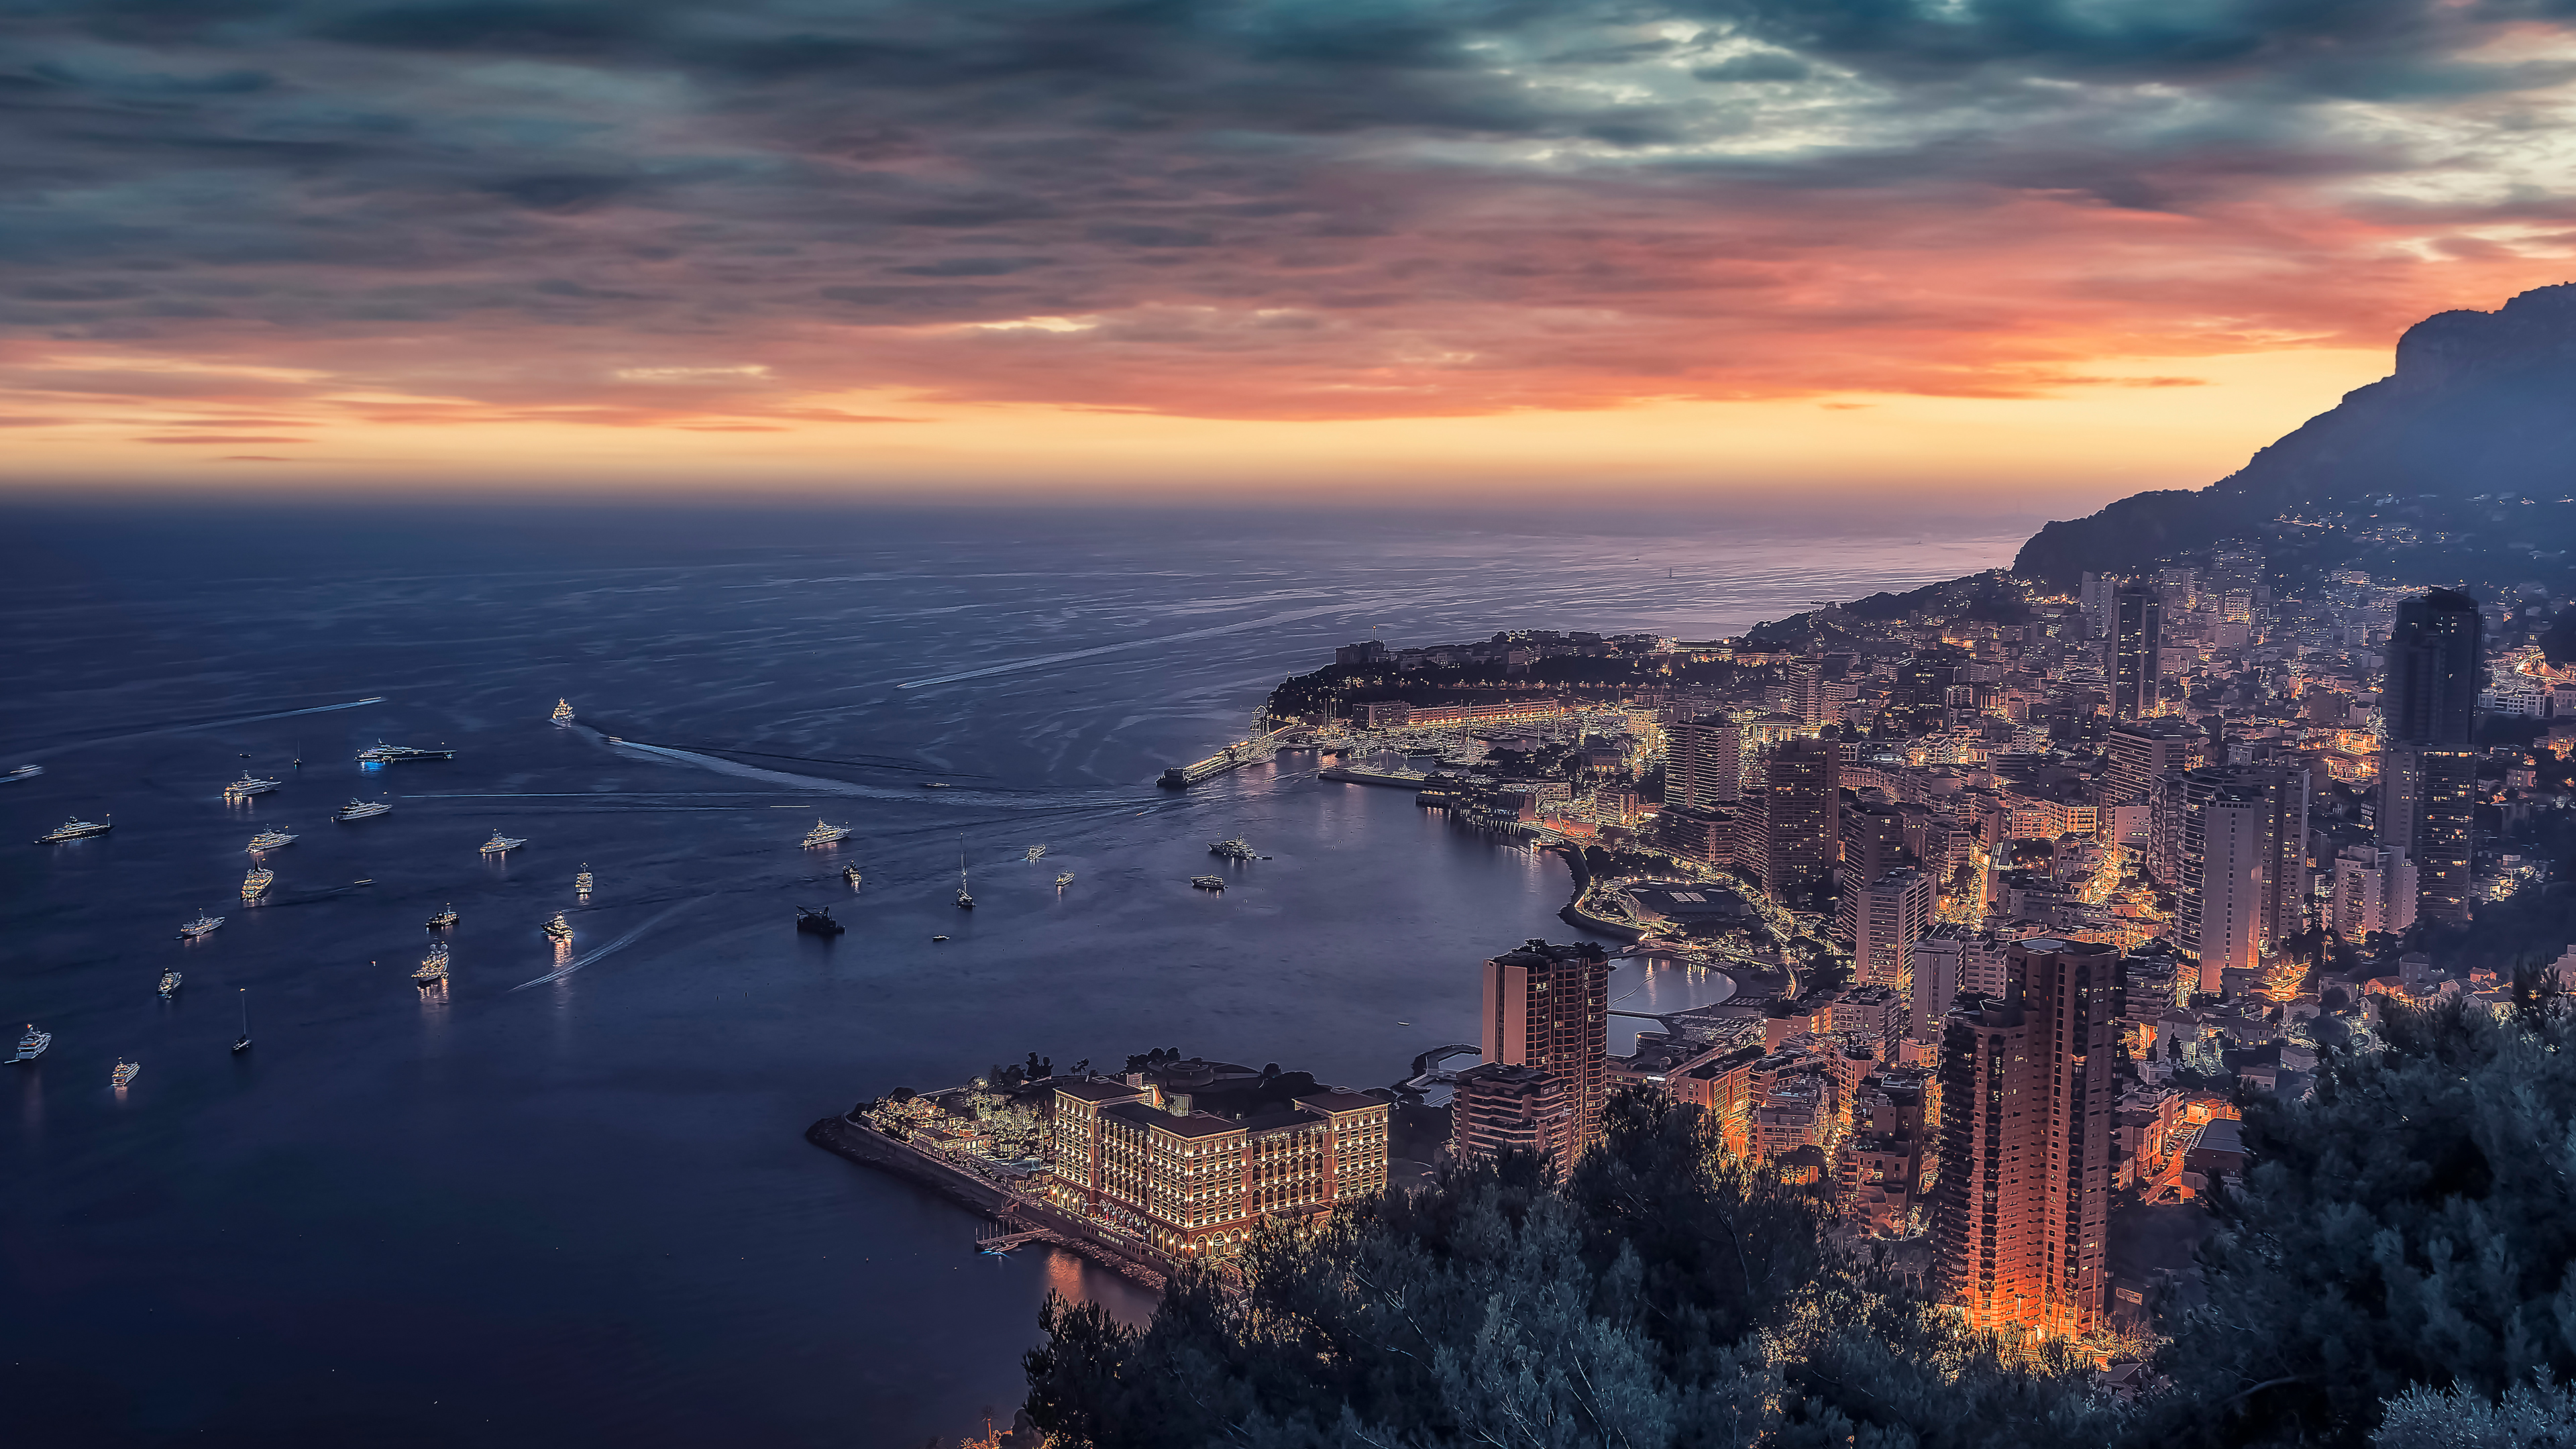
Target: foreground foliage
{"x":1668,"y":1296}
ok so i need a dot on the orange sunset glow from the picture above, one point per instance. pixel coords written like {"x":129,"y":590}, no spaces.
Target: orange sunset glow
{"x":1104,"y":251}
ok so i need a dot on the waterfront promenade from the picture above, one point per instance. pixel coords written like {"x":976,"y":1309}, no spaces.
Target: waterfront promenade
{"x":1022,"y":1213}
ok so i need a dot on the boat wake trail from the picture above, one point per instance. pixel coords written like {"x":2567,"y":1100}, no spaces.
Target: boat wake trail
{"x":208,"y":724}
{"x":596,"y":953}
{"x":1044,"y":659}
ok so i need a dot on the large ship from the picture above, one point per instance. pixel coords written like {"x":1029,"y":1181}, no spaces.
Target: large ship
{"x":124,"y":1073}
{"x":443,"y":919}
{"x":559,"y":929}
{"x":269,"y":839}
{"x":32,"y":1045}
{"x":501,"y":844}
{"x":1235,"y":849}
{"x":823,"y":834}
{"x":23,"y":772}
{"x":200,"y":928}
{"x":563,"y":712}
{"x":361,"y":809}
{"x":257,"y":881}
{"x":169,"y":984}
{"x":381,"y":753}
{"x":249,"y":785}
{"x":433,"y":967}
{"x":73,"y":830}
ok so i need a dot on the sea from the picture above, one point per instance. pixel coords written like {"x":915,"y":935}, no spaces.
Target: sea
{"x":567,"y":1199}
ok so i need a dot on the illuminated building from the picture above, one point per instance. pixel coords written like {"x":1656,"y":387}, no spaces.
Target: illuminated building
{"x":2140,"y":750}
{"x":1502,"y":1108}
{"x":1801,"y":800}
{"x":2243,"y":877}
{"x":2374,"y":890}
{"x":1548,"y":1008}
{"x":1883,"y":919}
{"x":2132,"y":662}
{"x":1193,"y":1182}
{"x":1703,"y":763}
{"x":2020,"y":1213}
{"x":2428,"y":771}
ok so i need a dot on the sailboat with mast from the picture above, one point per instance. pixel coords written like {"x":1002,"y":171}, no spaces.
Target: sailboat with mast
{"x":965,"y":901}
{"x":242,"y":1043}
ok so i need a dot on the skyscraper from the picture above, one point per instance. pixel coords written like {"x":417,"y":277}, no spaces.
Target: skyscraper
{"x":2137,"y":633}
{"x":1703,"y":762}
{"x":2243,"y":878}
{"x":2019,"y":1216}
{"x":2374,"y":890}
{"x":1802,"y":800}
{"x":1883,"y":919}
{"x":2140,"y":750}
{"x":2428,"y":769}
{"x":1548,"y":1007}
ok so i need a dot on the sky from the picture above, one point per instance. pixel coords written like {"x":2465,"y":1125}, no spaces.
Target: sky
{"x":2005,"y":255}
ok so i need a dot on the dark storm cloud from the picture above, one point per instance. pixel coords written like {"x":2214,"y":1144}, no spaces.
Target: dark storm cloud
{"x":1418,"y":174}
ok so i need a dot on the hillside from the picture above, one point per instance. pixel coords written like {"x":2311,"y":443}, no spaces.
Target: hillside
{"x":2481,"y":404}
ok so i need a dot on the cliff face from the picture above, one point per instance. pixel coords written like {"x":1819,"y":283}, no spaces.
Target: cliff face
{"x":2480,"y":402}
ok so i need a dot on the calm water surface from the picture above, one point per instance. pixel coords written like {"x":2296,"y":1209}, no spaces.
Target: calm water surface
{"x":568,"y":1200}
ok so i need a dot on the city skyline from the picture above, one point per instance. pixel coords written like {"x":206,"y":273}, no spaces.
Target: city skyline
{"x":1086,"y":251}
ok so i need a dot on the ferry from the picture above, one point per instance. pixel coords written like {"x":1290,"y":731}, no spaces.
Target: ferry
{"x":501,"y":844}
{"x":362,"y":809}
{"x":433,"y":967}
{"x":818,"y":923}
{"x":23,"y":772}
{"x":269,"y":839}
{"x":32,"y":1045}
{"x":1208,"y":882}
{"x":73,"y":830}
{"x":169,"y":984}
{"x":200,"y":928}
{"x":381,"y":753}
{"x":581,"y":882}
{"x":443,"y":919}
{"x":559,"y":929}
{"x":850,"y":873}
{"x":124,"y":1072}
{"x":563,"y":712}
{"x":823,"y":834}
{"x":256,"y":882}
{"x":249,"y":785}
{"x":1236,"y":849}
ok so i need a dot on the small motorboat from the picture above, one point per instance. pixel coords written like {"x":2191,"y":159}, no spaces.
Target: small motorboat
{"x":443,"y":919}
{"x":936,"y":939}
{"x":965,"y":902}
{"x":32,"y":1045}
{"x":934,"y":784}
{"x":1208,"y":882}
{"x":124,"y":1073}
{"x":818,"y":923}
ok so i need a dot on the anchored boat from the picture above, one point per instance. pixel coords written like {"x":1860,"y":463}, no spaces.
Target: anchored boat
{"x":124,"y":1072}
{"x":443,"y":919}
{"x":32,"y":1045}
{"x":249,"y":785}
{"x":818,"y":923}
{"x":269,"y":839}
{"x":169,"y":984}
{"x":563,"y":712}
{"x":361,"y":809}
{"x":433,"y":967}
{"x":200,"y":928}
{"x":1208,"y":882}
{"x":965,"y":902}
{"x":1236,"y":849}
{"x":823,"y":834}
{"x":581,"y":882}
{"x":850,"y":873}
{"x":559,"y":929}
{"x":74,"y":830}
{"x":501,"y":844}
{"x":256,"y":882}
{"x":381,"y":753}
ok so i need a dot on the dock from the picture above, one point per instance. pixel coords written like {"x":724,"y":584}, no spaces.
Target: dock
{"x":1233,"y":757}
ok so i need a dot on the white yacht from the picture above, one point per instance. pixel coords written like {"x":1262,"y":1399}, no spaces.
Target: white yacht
{"x":169,"y":984}
{"x":823,"y":834}
{"x":33,"y":1044}
{"x":581,"y":882}
{"x":124,"y":1072}
{"x":73,"y":830}
{"x":200,"y":928}
{"x":1235,"y":849}
{"x":361,"y":809}
{"x":559,"y":929}
{"x":501,"y":844}
{"x":1036,"y":852}
{"x":256,"y":882}
{"x":381,"y":753}
{"x":1064,"y":880}
{"x":433,"y":967}
{"x":269,"y":839}
{"x":563,"y":712}
{"x":965,"y":902}
{"x":249,"y":785}
{"x":23,"y":772}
